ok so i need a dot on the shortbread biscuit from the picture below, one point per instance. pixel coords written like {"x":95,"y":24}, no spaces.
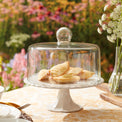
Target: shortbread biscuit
{"x":85,"y":74}
{"x":67,"y":78}
{"x":43,"y":74}
{"x":59,"y":69}
{"x":74,"y":70}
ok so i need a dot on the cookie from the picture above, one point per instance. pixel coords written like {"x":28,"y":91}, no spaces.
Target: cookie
{"x":51,"y":80}
{"x":59,"y":69}
{"x":43,"y":74}
{"x":85,"y":74}
{"x":67,"y":78}
{"x":74,"y":70}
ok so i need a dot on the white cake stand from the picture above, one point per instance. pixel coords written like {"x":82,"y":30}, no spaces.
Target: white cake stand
{"x":64,"y":102}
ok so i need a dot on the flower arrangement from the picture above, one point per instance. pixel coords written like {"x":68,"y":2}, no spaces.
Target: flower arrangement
{"x":13,"y":73}
{"x":112,"y":23}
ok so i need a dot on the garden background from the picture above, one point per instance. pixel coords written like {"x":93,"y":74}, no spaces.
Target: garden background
{"x":25,"y":22}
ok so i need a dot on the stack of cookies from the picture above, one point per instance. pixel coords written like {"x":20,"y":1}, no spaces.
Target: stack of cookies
{"x":63,"y":73}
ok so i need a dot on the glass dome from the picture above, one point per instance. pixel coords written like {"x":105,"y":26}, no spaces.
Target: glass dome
{"x":64,"y":64}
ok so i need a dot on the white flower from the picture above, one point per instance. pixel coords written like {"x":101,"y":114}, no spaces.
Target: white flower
{"x":109,"y":30}
{"x":104,"y":26}
{"x":114,"y":25}
{"x":8,"y":44}
{"x":119,"y":35}
{"x":17,"y":40}
{"x":100,"y":21}
{"x":117,"y":9}
{"x":113,"y":37}
{"x":14,"y":41}
{"x":119,"y":26}
{"x":111,"y":15}
{"x":110,"y":39}
{"x":110,"y":24}
{"x":105,"y":8}
{"x":115,"y":31}
{"x":103,"y":18}
{"x":99,"y":31}
{"x":114,"y":15}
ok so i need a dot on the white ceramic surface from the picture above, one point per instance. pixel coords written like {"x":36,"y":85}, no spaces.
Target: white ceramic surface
{"x":7,"y":111}
{"x":13,"y":120}
{"x":64,"y":103}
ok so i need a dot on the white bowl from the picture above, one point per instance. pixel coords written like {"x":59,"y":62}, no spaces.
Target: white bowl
{"x":1,"y":91}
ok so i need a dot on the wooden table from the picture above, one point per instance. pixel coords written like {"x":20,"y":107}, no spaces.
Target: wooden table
{"x":95,"y":109}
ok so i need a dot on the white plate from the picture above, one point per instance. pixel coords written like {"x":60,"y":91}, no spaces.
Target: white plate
{"x":13,"y":120}
{"x":93,"y":81}
{"x":7,"y":111}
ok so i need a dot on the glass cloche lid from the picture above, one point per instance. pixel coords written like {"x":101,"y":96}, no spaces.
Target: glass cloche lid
{"x":64,"y":64}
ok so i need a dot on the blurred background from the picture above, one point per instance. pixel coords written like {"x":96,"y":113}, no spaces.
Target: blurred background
{"x":25,"y":22}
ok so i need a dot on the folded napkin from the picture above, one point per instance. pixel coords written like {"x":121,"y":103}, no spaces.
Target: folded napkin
{"x":7,"y":111}
{"x":5,"y":114}
{"x":4,"y":111}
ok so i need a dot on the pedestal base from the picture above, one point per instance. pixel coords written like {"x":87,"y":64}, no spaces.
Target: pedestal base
{"x":64,"y":103}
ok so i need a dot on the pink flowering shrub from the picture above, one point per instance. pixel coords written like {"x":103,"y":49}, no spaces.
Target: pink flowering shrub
{"x":14,"y":72}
